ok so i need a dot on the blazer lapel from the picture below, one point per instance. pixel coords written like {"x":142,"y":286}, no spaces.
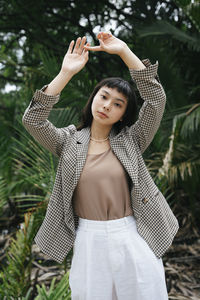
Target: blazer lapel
{"x":118,"y":144}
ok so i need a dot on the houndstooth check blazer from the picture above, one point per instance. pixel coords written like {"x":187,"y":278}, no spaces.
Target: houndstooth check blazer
{"x":155,"y":220}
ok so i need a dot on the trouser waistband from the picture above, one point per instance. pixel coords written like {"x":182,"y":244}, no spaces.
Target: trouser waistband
{"x":106,"y":225}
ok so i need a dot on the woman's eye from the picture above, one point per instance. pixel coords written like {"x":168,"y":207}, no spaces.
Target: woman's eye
{"x":104,"y":97}
{"x":117,"y":104}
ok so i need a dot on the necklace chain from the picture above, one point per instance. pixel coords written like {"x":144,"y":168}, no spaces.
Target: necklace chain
{"x":99,"y":141}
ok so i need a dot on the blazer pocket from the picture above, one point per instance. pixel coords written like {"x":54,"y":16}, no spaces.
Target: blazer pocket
{"x":150,"y":199}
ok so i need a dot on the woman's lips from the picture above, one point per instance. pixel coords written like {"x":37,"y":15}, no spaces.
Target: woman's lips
{"x":103,"y":114}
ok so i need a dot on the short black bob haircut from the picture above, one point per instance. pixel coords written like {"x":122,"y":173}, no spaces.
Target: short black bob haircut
{"x":123,"y":87}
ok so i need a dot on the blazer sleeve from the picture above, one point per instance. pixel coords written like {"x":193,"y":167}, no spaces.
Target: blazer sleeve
{"x":151,"y":112}
{"x":36,"y":123}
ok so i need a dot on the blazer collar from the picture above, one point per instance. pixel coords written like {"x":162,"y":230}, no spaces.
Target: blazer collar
{"x":83,"y":135}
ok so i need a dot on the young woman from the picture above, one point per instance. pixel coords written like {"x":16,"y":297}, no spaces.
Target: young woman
{"x":104,"y":202}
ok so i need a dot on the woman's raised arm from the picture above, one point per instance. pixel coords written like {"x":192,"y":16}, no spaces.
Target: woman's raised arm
{"x":112,"y":45}
{"x":36,"y":115}
{"x":146,"y":78}
{"x":74,"y":60}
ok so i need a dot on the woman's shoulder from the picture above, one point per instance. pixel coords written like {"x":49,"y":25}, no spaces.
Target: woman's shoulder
{"x":69,"y":130}
{"x":72,"y":128}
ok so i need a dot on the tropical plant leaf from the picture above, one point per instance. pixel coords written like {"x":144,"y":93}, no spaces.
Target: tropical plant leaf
{"x":191,"y":123}
{"x":192,"y":10}
{"x":15,"y":277}
{"x":162,"y":28}
{"x":182,"y":159}
{"x":61,"y":291}
{"x":3,"y":194}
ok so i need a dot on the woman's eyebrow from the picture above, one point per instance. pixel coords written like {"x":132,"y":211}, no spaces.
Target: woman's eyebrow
{"x":115,"y":98}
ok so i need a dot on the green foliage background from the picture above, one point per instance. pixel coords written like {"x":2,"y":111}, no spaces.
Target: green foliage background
{"x":34,"y":36}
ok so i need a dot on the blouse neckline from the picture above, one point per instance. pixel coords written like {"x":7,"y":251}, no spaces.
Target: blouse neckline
{"x":99,"y":153}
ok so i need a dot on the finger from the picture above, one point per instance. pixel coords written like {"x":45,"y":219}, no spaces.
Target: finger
{"x":77,"y":45}
{"x":86,"y":54}
{"x":102,"y":45}
{"x":84,"y":47}
{"x":106,"y":35}
{"x":99,"y":34}
{"x":82,"y":44}
{"x":85,"y":51}
{"x":70,"y":47}
{"x":95,"y":48}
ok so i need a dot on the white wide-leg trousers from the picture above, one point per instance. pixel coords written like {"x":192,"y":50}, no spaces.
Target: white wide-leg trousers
{"x":111,"y":261}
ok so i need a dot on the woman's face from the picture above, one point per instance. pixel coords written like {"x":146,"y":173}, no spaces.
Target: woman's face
{"x":109,"y":102}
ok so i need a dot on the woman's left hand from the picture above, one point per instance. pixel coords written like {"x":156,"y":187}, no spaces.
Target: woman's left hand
{"x":108,"y":43}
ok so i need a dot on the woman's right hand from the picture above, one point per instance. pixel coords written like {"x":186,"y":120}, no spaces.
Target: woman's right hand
{"x":75,"y":58}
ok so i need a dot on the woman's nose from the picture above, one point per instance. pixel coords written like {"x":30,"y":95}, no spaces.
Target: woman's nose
{"x":106,"y":106}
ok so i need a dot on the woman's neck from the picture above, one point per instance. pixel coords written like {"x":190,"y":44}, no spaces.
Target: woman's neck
{"x":99,"y":131}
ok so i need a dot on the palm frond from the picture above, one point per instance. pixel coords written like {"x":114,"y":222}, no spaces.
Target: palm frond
{"x":192,"y":10}
{"x":61,"y":117}
{"x":33,"y":164}
{"x":182,"y":159}
{"x":164,"y":28}
{"x":15,"y":277}
{"x":153,"y":163}
{"x":50,"y":66}
{"x":3,"y":194}
{"x":191,"y":123}
{"x":186,"y":163}
{"x":60,"y":291}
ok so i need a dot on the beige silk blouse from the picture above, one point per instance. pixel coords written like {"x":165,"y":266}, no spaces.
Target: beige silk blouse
{"x":102,"y":192}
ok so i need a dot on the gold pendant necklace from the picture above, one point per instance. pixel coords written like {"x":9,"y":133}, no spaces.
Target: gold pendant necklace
{"x":99,"y":141}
